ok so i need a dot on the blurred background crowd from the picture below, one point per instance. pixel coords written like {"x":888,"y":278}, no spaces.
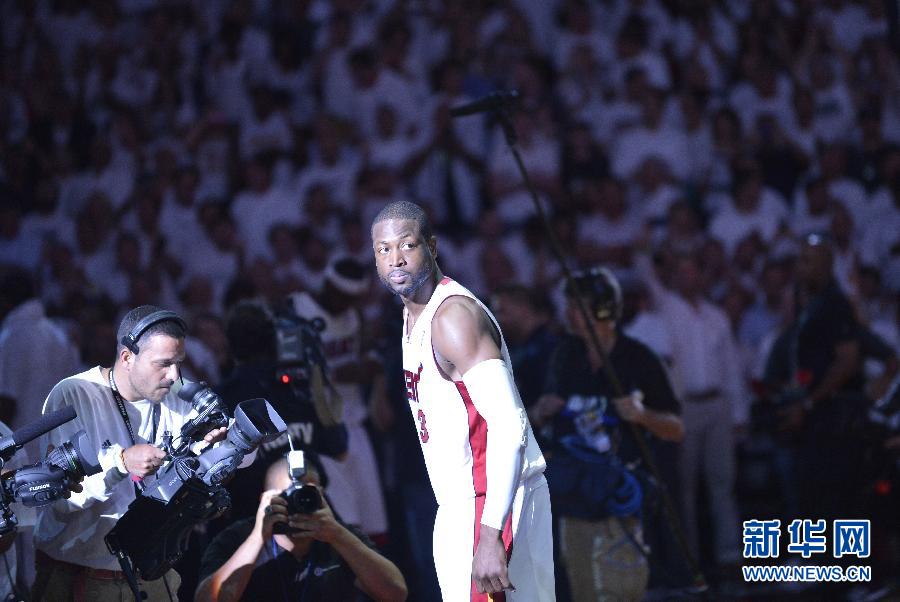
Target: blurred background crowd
{"x":194,"y":155}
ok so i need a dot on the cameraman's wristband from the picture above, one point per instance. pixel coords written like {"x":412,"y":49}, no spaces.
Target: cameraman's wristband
{"x":119,"y":456}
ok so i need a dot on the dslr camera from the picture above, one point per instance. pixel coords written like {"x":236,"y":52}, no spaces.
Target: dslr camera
{"x":302,"y":498}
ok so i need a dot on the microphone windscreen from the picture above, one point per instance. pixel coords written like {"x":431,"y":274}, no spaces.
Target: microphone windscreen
{"x":43,"y":425}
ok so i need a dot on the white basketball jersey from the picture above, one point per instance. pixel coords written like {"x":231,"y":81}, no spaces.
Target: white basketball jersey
{"x":341,"y":343}
{"x":452,"y":433}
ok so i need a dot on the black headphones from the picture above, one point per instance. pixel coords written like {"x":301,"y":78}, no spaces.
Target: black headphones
{"x":130,"y":339}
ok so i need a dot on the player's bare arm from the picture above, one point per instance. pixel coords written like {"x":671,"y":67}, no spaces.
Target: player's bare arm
{"x":466,"y":346}
{"x":462,"y":336}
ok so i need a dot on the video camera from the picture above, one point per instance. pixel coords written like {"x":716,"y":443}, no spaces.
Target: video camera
{"x":50,"y":479}
{"x":298,"y":351}
{"x":302,"y":498}
{"x":153,"y":533}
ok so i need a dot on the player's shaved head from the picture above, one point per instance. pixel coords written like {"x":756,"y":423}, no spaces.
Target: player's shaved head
{"x":406,"y":210}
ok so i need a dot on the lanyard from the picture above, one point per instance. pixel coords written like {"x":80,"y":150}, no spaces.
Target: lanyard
{"x":120,"y":403}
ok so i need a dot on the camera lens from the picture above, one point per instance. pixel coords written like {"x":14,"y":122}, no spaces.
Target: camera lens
{"x":304,"y":500}
{"x":76,"y":456}
{"x":199,"y":395}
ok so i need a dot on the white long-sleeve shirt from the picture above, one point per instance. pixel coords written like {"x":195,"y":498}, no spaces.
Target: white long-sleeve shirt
{"x":704,"y":352}
{"x":73,"y":530}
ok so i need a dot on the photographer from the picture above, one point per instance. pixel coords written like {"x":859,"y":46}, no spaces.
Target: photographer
{"x":125,"y":411}
{"x":321,"y":560}
{"x":593,"y":491}
{"x":251,"y":334}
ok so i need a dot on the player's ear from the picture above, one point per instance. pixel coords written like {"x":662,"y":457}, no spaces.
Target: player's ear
{"x":432,"y":245}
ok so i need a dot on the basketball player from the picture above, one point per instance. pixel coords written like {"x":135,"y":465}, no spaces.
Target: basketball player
{"x":492,"y":532}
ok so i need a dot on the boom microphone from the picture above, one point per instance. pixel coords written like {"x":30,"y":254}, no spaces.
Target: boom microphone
{"x":44,"y":424}
{"x":491,"y":102}
{"x":9,"y":445}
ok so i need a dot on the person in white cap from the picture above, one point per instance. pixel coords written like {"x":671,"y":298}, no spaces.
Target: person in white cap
{"x":354,"y":484}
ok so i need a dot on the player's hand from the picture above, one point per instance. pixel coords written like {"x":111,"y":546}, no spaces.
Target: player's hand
{"x":631,"y":407}
{"x":272,"y":509}
{"x":489,"y":570}
{"x":143,"y":459}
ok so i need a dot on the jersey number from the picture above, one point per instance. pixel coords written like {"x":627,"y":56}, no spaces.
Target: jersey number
{"x":423,"y":430}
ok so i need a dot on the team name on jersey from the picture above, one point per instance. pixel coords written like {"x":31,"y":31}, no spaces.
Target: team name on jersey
{"x":412,"y":384}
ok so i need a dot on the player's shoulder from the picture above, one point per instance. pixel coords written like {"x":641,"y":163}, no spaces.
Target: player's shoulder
{"x":459,"y":311}
{"x":457,"y":301}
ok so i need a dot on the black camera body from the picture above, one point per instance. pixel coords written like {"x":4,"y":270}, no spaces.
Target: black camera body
{"x":48,"y":480}
{"x":153,"y":533}
{"x":298,"y":348}
{"x":302,"y":498}
{"x":210,"y":410}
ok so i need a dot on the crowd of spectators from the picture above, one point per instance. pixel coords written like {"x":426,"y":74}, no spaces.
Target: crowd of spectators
{"x":195,"y":154}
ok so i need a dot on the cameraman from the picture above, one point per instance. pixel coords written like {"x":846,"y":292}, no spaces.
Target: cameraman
{"x":322,"y":560}
{"x":251,"y":336}
{"x":125,"y":411}
{"x":583,"y":422}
